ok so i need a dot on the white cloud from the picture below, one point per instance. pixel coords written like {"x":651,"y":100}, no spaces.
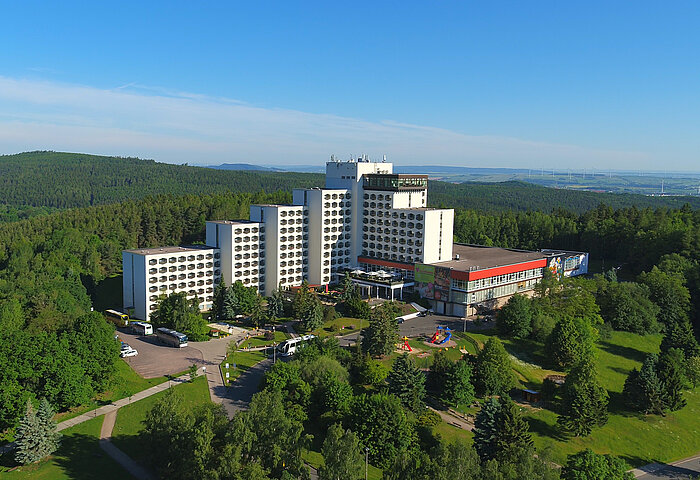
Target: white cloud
{"x":180,"y":127}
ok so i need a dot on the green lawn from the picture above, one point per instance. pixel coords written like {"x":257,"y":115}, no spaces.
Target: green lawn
{"x":125,"y":382}
{"x":243,"y":360}
{"x":638,"y":439}
{"x":130,"y":418}
{"x":261,"y":342}
{"x":341,"y":326}
{"x":79,"y":457}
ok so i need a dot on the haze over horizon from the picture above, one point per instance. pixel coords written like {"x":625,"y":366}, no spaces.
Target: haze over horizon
{"x":608,"y":86}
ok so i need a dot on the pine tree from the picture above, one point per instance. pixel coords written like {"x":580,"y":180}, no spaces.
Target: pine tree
{"x":347,"y":289}
{"x":407,"y":382}
{"x":670,"y":371}
{"x":45,"y":416}
{"x":494,"y":372}
{"x":36,"y":435}
{"x":229,"y":304}
{"x":584,"y":401}
{"x":644,"y":391}
{"x":513,"y":432}
{"x":342,"y":455}
{"x":275,"y":304}
{"x":380,"y":337}
{"x":312,"y":317}
{"x":218,"y":301}
{"x":486,"y":429}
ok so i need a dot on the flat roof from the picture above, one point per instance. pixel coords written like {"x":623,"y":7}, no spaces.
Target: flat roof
{"x":233,"y":222}
{"x":167,"y":250}
{"x":479,"y":257}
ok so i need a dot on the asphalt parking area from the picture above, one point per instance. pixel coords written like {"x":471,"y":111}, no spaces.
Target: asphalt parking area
{"x":156,"y":359}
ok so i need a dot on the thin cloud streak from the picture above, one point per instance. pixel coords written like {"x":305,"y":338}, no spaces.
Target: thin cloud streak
{"x":180,"y":127}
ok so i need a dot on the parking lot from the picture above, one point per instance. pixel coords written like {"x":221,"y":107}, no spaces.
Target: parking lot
{"x":156,"y":359}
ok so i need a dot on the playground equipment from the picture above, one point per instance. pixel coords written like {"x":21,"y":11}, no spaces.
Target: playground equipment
{"x":405,"y":345}
{"x":441,"y":336}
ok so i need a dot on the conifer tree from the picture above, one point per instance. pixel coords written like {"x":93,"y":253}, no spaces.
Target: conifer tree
{"x":36,"y":435}
{"x":513,"y":434}
{"x":494,"y":373}
{"x":670,"y":371}
{"x":229,"y":304}
{"x":486,"y":429}
{"x":584,"y":401}
{"x":218,"y":300}
{"x":275,"y":303}
{"x":407,"y":382}
{"x":644,"y":391}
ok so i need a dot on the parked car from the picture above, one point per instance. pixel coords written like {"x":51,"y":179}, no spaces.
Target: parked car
{"x":125,"y":346}
{"x":131,"y":352}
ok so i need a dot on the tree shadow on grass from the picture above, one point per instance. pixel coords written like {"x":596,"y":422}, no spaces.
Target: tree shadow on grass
{"x":622,"y":351}
{"x":81,"y":458}
{"x":545,"y":429}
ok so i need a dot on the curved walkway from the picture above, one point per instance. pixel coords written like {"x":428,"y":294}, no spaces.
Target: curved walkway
{"x":136,"y":470}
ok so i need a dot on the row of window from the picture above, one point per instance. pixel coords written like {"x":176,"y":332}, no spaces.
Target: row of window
{"x":239,"y":231}
{"x":182,"y":268}
{"x":337,"y":204}
{"x":298,"y":221}
{"x":182,"y":276}
{"x":246,"y":256}
{"x":190,"y":258}
{"x":249,"y":239}
{"x":291,"y":213}
{"x":337,"y":213}
{"x":337,"y":196}
{"x":497,"y":280}
{"x":393,"y":256}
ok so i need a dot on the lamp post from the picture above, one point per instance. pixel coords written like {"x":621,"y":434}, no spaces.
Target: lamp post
{"x":366,"y":460}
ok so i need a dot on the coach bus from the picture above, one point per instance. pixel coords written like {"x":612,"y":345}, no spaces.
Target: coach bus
{"x":290,"y":346}
{"x":118,"y":318}
{"x":171,"y":337}
{"x":141,"y":328}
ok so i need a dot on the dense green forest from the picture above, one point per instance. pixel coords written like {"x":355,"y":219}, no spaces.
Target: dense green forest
{"x":49,"y":265}
{"x":520,"y":196}
{"x":66,"y":180}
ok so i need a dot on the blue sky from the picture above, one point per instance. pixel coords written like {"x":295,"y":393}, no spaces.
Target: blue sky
{"x":524,"y":84}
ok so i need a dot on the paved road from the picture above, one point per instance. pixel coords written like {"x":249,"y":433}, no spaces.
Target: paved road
{"x":681,"y":470}
{"x":424,"y":327}
{"x":238,"y":395}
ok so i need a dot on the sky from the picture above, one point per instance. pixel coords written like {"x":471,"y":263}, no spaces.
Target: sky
{"x":547,"y":84}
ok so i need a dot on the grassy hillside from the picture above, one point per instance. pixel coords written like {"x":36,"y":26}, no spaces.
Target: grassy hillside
{"x":65,"y":180}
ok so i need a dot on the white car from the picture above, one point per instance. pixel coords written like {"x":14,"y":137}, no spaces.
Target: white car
{"x":131,"y":352}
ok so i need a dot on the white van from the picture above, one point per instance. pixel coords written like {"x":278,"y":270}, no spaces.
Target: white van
{"x":141,"y":328}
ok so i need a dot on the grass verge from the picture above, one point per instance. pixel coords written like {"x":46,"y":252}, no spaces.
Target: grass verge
{"x":79,"y":457}
{"x":129,"y":425}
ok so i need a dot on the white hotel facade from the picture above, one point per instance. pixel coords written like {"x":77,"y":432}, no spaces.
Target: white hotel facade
{"x":366,"y":217}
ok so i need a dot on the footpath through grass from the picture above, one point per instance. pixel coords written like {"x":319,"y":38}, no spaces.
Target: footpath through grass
{"x":125,"y":383}
{"x":79,"y":457}
{"x":129,"y":425}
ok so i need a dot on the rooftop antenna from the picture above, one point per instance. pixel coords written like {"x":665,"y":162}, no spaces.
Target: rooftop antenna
{"x":383,"y":158}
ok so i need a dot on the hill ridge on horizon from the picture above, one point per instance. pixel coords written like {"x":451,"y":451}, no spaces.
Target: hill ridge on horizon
{"x":64,"y":179}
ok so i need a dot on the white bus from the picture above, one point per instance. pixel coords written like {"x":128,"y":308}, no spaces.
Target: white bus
{"x":288,"y":347}
{"x":141,"y":328}
{"x":171,"y":337}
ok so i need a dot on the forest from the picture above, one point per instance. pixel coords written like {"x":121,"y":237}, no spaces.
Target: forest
{"x":66,"y":180}
{"x":51,"y":263}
